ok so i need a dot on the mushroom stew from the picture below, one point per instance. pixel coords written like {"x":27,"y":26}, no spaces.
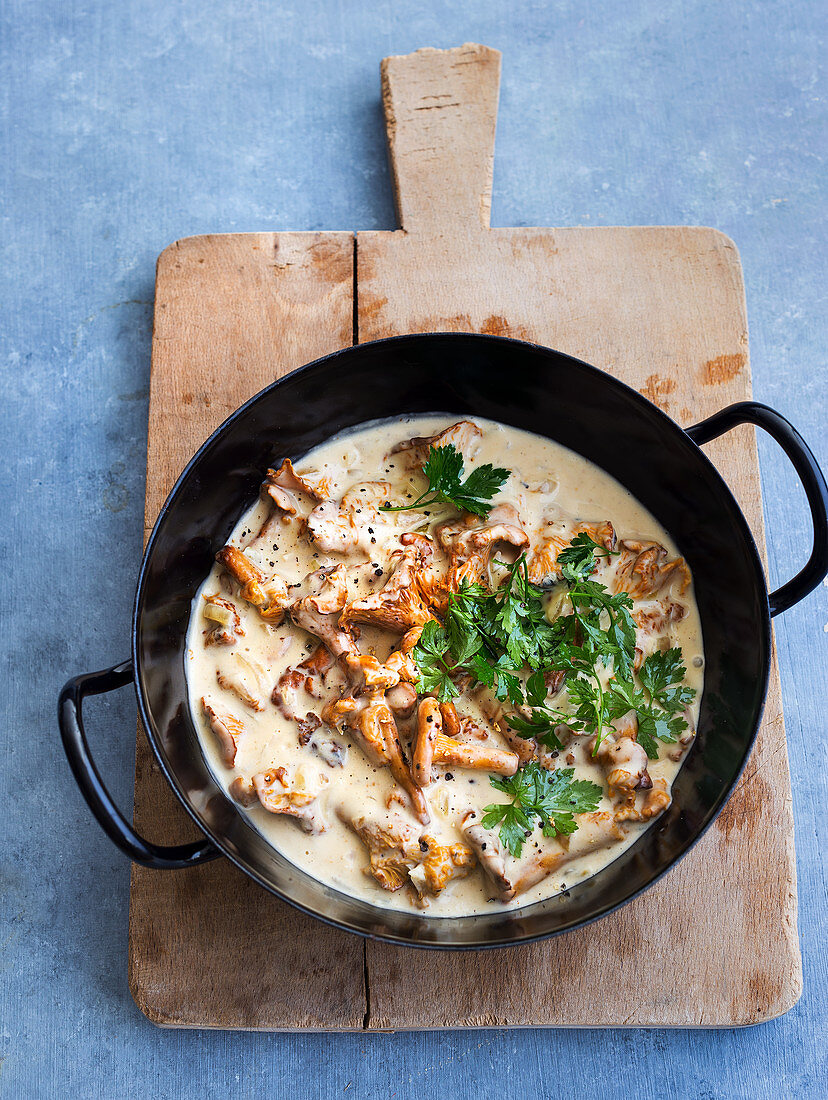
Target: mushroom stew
{"x":446,"y":665}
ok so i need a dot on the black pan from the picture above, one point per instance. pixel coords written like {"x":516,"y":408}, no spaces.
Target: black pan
{"x":528,"y":387}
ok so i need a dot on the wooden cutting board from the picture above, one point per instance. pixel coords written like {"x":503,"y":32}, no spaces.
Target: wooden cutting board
{"x":712,"y":944}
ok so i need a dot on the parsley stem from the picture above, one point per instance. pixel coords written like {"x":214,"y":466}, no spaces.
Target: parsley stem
{"x":600,"y":723}
{"x":419,"y":502}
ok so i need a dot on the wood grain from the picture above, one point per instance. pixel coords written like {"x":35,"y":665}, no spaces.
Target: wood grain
{"x":715,"y":943}
{"x":207,"y":946}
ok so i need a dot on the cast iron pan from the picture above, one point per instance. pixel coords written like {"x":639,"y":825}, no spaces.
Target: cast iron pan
{"x":528,"y":387}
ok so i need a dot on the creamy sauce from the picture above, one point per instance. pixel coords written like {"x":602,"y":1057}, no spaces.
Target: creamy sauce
{"x":546,"y":480}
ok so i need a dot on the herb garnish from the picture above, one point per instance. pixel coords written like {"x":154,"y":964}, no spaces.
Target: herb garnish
{"x":577,"y":561}
{"x":444,"y":469}
{"x":658,"y":704}
{"x":538,"y":795}
{"x":504,"y":640}
{"x":598,"y":636}
{"x":492,"y":636}
{"x":435,"y":671}
{"x":543,"y":720}
{"x":495,"y":636}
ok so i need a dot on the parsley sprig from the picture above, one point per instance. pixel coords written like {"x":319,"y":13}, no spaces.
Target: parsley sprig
{"x":577,"y":561}
{"x":539,"y":796}
{"x":658,"y":703}
{"x":444,"y":469}
{"x":504,"y":640}
{"x":491,"y":636}
{"x":596,"y":637}
{"x":435,"y":663}
{"x":543,"y":721}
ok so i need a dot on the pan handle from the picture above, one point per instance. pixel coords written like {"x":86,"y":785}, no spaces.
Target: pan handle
{"x":813,"y":482}
{"x":110,"y":818}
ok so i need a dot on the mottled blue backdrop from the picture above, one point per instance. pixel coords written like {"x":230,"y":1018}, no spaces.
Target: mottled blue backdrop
{"x":128,"y":124}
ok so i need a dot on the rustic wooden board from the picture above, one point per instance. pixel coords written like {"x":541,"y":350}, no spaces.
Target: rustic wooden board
{"x":715,"y":943}
{"x":231,"y":314}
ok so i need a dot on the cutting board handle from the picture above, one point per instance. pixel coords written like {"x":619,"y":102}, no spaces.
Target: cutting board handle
{"x":440,"y":116}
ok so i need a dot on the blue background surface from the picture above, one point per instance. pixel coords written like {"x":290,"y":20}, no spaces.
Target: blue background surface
{"x":126,"y":125}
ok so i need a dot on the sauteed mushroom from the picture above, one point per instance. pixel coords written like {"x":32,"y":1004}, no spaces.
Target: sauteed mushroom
{"x":378,"y":713}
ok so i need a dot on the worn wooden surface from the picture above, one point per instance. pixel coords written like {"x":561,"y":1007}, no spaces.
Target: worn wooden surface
{"x":232,"y":313}
{"x":714,"y":944}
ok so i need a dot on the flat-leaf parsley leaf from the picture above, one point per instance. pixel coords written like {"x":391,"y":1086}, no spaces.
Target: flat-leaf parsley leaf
{"x":577,"y":561}
{"x":444,"y":469}
{"x":659,"y":704}
{"x":539,"y":796}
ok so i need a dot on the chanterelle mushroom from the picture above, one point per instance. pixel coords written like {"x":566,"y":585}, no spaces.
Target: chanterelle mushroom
{"x":366,"y":672}
{"x":318,"y":612}
{"x":625,"y":763}
{"x":332,"y":529}
{"x":233,"y":681}
{"x":463,"y":436}
{"x":656,"y":800}
{"x":659,"y":618}
{"x":317,"y":674}
{"x":293,"y":792}
{"x":268,"y":595}
{"x":471,"y":541}
{"x":432,"y":746}
{"x":398,"y":857}
{"x":225,"y":624}
{"x":310,"y":675}
{"x":368,"y":714}
{"x":227,"y":728}
{"x":391,"y":842}
{"x":439,"y":865}
{"x":365,"y":494}
{"x":644,"y":569}
{"x":292,"y":495}
{"x":333,"y":752}
{"x":492,"y":856}
{"x":243,"y":791}
{"x":511,"y":877}
{"x":354,"y":522}
{"x":596,"y":831}
{"x":378,"y":720}
{"x":404,"y":601}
